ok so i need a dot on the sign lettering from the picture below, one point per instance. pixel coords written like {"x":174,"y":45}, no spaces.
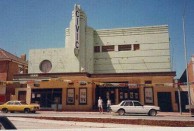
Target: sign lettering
{"x":77,"y":27}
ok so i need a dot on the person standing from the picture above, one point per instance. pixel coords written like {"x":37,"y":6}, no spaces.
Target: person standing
{"x":108,"y":104}
{"x":100,"y":105}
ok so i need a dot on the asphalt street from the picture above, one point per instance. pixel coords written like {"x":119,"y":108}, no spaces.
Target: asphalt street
{"x":28,"y":121}
{"x":31,"y":123}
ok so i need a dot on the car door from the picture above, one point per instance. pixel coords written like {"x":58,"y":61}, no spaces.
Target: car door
{"x":128,"y":106}
{"x":10,"y":105}
{"x":18,"y":106}
{"x":139,"y":108}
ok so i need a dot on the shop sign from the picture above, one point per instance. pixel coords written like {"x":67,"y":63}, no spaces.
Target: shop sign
{"x":113,"y":85}
{"x":2,"y":98}
{"x":132,"y":85}
{"x":30,"y":82}
{"x":34,"y":75}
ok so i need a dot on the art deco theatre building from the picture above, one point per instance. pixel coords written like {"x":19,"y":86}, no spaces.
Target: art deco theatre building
{"x":123,"y":63}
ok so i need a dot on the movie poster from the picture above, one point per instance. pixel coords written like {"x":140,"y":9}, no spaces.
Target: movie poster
{"x":83,"y":96}
{"x":149,"y":95}
{"x":70,"y":96}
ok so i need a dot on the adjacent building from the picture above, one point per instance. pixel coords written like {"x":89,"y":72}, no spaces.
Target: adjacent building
{"x":121,"y":63}
{"x":10,"y":65}
{"x":187,"y":88}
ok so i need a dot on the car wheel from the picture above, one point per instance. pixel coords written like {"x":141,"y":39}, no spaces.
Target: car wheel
{"x":33,"y":111}
{"x":121,"y":112}
{"x":26,"y":110}
{"x":4,"y":110}
{"x":152,"y":113}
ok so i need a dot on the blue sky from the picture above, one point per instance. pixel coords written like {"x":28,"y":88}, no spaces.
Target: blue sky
{"x":34,"y":24}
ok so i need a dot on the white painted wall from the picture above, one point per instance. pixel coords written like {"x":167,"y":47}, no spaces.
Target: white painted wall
{"x":63,"y":59}
{"x":153,"y":56}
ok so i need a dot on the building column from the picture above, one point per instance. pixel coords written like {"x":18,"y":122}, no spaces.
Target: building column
{"x":28,"y":94}
{"x":117,"y":96}
{"x":141,"y":94}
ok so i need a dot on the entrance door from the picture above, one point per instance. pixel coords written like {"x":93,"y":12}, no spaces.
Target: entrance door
{"x":105,"y":93}
{"x":164,"y":101}
{"x":22,"y":96}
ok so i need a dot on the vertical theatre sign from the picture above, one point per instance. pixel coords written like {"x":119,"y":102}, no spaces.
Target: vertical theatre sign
{"x":77,"y":26}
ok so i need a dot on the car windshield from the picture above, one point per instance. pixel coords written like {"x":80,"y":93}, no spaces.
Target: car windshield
{"x":122,"y":103}
{"x":10,"y":103}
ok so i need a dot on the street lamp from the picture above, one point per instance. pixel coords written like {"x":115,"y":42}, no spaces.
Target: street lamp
{"x":185,"y":53}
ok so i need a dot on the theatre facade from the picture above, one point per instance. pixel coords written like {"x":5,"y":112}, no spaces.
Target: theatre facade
{"x":123,"y":63}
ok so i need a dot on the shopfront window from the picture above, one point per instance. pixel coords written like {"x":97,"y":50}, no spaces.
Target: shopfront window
{"x":46,"y":98}
{"x":128,"y":94}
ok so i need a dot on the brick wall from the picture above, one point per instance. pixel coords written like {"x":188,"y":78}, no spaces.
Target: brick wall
{"x":3,"y":70}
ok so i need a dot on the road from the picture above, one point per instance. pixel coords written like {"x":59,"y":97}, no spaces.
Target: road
{"x":21,"y":122}
{"x":31,"y":123}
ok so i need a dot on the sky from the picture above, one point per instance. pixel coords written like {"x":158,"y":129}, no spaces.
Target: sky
{"x":38,"y":24}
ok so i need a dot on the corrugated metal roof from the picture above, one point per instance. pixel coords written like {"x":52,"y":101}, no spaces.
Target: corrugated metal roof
{"x":4,"y":55}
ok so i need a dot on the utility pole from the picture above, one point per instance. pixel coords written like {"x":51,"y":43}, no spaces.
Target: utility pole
{"x":185,"y":53}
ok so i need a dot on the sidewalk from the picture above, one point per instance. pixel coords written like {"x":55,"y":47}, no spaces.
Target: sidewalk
{"x":184,"y":114}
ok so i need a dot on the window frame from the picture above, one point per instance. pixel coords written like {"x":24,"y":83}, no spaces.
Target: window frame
{"x":108,"y":48}
{"x":96,"y":49}
{"x":126,"y":47}
{"x":136,"y":47}
{"x":45,"y":66}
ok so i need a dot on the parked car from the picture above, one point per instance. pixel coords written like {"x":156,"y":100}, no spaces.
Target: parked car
{"x":133,"y":106}
{"x":18,"y":106}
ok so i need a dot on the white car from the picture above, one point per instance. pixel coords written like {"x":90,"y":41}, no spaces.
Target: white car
{"x":132,"y":106}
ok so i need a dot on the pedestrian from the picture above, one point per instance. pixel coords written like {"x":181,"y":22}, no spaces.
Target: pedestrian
{"x":108,"y":105}
{"x":100,"y":105}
